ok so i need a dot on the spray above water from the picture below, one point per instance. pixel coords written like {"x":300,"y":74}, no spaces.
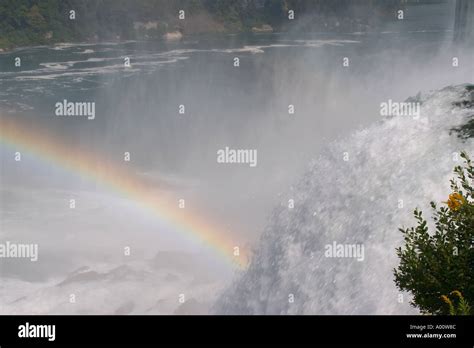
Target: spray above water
{"x":23,"y":137}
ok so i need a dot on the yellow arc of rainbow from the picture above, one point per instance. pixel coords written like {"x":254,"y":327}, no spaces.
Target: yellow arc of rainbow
{"x":39,"y":143}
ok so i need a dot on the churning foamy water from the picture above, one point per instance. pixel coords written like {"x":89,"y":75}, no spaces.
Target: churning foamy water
{"x":359,"y":191}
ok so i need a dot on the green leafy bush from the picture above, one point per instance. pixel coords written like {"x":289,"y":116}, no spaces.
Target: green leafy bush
{"x":435,"y":264}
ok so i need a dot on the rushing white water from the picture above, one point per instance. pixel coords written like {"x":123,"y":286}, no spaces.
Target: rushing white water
{"x":358,"y":201}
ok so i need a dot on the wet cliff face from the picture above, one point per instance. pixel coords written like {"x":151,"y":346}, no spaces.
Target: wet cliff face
{"x":466,"y":130}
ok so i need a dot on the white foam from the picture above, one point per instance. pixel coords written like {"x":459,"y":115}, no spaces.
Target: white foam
{"x":86,"y":51}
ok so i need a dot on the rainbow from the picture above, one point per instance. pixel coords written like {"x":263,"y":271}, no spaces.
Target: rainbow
{"x":120,"y":179}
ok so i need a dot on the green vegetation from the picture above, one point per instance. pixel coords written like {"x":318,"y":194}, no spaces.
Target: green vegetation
{"x":436,"y":265}
{"x":28,"y":22}
{"x":34,"y":22}
{"x":458,"y":306}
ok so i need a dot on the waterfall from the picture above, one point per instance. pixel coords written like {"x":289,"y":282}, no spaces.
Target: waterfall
{"x":359,"y":191}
